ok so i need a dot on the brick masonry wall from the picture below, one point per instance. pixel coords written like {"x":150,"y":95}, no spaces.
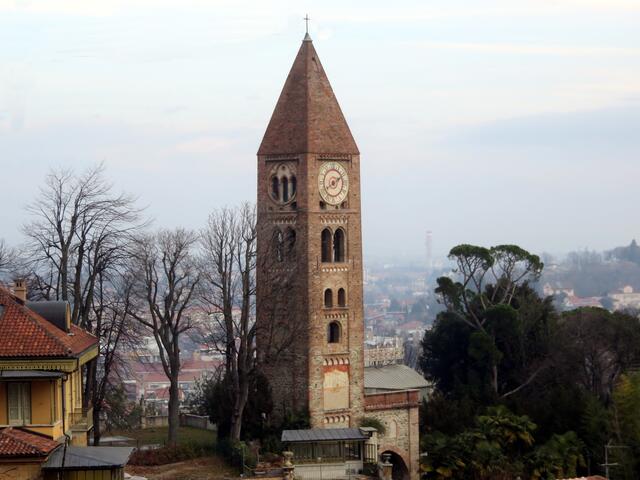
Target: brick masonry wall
{"x":282,"y":333}
{"x":347,"y":275}
{"x":398,"y":411}
{"x":297,"y":375}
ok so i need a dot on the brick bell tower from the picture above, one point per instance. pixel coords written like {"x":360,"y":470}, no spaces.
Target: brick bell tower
{"x":309,"y":267}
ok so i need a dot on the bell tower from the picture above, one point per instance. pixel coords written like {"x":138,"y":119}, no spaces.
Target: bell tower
{"x":309,"y":267}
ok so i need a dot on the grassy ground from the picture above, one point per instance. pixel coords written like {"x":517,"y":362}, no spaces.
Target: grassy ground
{"x":158,"y":436}
{"x":206,"y":468}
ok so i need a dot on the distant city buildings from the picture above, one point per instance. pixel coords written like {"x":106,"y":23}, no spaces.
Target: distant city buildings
{"x":622,"y":299}
{"x":625,"y":298}
{"x":145,"y":380}
{"x":381,"y":351}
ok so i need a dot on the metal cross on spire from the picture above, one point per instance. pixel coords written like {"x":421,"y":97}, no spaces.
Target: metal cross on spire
{"x":306,"y":21}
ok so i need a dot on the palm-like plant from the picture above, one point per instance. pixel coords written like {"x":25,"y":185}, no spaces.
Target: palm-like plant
{"x":560,"y":457}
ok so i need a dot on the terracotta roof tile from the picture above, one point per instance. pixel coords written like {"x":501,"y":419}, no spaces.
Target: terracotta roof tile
{"x":307,"y":117}
{"x":593,"y":477}
{"x":24,"y":333}
{"x":15,"y":442}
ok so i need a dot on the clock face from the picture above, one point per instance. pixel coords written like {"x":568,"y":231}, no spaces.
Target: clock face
{"x":333,"y":183}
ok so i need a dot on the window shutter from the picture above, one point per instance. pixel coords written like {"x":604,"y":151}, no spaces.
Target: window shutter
{"x":19,"y":403}
{"x":13,"y":390}
{"x":26,"y":403}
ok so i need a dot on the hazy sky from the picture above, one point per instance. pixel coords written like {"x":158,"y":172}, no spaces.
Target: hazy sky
{"x":485,"y":122}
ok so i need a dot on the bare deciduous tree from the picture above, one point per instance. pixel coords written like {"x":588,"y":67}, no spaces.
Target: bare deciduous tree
{"x":165,"y":281}
{"x":228,"y":294}
{"x":77,"y":243}
{"x":7,"y":258}
{"x":230,"y":265}
{"x":113,"y":326}
{"x":78,"y":231}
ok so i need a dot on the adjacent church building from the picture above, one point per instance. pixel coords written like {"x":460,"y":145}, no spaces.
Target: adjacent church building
{"x":309,"y":287}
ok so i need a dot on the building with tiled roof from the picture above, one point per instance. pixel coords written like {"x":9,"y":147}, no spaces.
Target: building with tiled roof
{"x":41,"y":386}
{"x":26,"y":334}
{"x":15,"y":442}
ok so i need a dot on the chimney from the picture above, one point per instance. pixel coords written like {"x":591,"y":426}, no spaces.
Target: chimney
{"x":20,"y":289}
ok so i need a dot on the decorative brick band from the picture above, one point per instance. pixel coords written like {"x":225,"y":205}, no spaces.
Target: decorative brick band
{"x":284,"y":220}
{"x":336,"y":315}
{"x":334,"y":269}
{"x":334,"y":156}
{"x":337,"y":418}
{"x":391,"y":400}
{"x":280,"y":158}
{"x":336,"y":361}
{"x":334,"y":220}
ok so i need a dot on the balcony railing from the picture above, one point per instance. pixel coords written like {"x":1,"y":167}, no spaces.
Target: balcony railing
{"x":82,"y":419}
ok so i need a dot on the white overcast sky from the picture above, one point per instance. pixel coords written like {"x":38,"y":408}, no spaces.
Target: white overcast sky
{"x":486,"y":122}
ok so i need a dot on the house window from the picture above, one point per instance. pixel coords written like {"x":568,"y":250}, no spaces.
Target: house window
{"x":333,"y":333}
{"x":19,"y":402}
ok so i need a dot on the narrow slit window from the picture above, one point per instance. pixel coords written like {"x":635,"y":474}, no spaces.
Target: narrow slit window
{"x":326,"y":245}
{"x":285,"y":189}
{"x":333,"y":333}
{"x":278,"y":245}
{"x":342,"y":298}
{"x":291,"y":243}
{"x":338,"y":245}
{"x":328,"y":298}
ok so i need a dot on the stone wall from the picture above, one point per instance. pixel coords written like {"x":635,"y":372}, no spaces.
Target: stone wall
{"x":398,"y":412}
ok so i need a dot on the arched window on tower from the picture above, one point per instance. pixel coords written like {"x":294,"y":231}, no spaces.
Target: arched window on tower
{"x":328,"y":298}
{"x":326,"y":245}
{"x":285,"y":189}
{"x":294,"y":185}
{"x":338,"y":245}
{"x":278,"y":245}
{"x":342,"y":298}
{"x":290,"y":246}
{"x":275,"y":188}
{"x":333,"y":332}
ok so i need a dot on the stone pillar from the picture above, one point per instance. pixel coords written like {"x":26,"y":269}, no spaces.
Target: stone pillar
{"x":385,"y":467}
{"x":287,"y":467}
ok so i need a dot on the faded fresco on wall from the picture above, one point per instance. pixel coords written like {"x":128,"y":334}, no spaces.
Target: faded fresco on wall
{"x":336,"y":387}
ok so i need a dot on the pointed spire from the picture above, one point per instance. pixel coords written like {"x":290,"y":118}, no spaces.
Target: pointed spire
{"x":307,"y":117}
